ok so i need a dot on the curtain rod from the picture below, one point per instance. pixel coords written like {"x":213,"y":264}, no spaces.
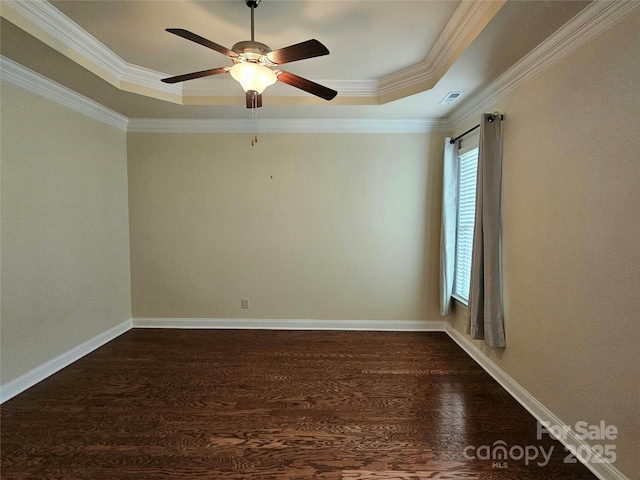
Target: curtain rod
{"x":491,"y":119}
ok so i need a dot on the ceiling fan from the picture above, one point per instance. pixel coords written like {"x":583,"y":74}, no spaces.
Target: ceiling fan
{"x":254,"y":62}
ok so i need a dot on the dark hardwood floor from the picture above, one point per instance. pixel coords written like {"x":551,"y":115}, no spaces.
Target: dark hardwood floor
{"x":238,"y":404}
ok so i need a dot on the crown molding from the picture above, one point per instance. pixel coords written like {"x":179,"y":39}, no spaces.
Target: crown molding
{"x":57,"y":30}
{"x":587,"y":24}
{"x":31,"y":81}
{"x":590,"y":22}
{"x":63,"y":33}
{"x":16,"y":74}
{"x":465,"y":24}
{"x":42,"y":20}
{"x":45,"y":22}
{"x":155,"y":125}
{"x":148,"y":79}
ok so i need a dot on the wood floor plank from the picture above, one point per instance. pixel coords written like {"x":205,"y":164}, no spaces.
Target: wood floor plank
{"x":242,"y":404}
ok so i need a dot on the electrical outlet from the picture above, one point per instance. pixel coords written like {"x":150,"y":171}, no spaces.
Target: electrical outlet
{"x":245,"y":303}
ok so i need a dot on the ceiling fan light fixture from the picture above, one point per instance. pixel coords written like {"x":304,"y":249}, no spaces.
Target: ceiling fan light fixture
{"x":253,"y":76}
{"x":253,"y":63}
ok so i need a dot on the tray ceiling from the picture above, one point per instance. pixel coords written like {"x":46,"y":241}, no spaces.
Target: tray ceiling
{"x":389,"y":59}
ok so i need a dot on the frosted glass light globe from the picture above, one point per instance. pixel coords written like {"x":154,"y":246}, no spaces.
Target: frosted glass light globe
{"x":253,"y":76}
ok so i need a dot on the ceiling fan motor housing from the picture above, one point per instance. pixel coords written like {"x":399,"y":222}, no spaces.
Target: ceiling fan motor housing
{"x":251,"y":51}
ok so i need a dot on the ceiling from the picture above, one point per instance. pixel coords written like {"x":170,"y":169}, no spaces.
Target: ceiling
{"x":389,"y":59}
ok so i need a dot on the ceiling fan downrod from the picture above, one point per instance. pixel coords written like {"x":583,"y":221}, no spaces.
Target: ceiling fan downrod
{"x":252,"y":4}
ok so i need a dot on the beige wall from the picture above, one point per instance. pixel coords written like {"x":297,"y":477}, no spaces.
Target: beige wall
{"x":570,"y":229}
{"x":326,"y":226}
{"x":65,"y":250}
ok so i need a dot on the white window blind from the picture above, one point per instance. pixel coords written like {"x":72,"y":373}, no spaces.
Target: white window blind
{"x":467,"y":173}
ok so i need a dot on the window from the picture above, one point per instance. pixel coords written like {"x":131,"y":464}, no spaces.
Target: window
{"x":467,"y":173}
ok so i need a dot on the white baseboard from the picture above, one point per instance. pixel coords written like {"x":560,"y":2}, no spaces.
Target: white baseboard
{"x":290,"y":324}
{"x":604,"y":471}
{"x":29,"y":379}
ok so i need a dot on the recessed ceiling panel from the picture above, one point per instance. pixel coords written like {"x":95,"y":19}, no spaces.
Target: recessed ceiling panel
{"x":367,"y":39}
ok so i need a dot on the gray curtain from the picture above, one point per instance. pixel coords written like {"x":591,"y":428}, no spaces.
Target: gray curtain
{"x":486,"y":319}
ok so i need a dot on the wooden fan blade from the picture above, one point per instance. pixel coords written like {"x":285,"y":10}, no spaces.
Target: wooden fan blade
{"x":202,"y":41}
{"x":254,"y":99}
{"x":307,"y":85}
{"x":191,"y":76}
{"x":299,"y":51}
